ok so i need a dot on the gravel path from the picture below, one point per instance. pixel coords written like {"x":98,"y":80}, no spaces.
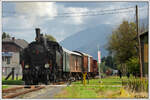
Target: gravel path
{"x":48,"y":92}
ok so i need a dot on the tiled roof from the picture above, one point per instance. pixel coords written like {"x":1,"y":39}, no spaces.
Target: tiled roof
{"x":20,"y":42}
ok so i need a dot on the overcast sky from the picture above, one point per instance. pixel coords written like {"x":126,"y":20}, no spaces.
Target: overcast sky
{"x":20,"y":19}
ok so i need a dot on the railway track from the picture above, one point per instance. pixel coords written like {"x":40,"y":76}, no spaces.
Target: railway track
{"x":59,"y":83}
{"x":20,"y":90}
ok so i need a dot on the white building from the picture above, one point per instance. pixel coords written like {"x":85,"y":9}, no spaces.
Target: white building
{"x":11,"y":48}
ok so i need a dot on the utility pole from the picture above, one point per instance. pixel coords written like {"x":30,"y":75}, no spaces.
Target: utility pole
{"x":139,"y":43}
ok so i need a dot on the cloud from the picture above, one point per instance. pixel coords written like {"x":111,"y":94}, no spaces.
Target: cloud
{"x":143,"y":12}
{"x":36,"y":12}
{"x":16,"y":22}
{"x":76,"y":14}
{"x":40,"y":9}
{"x":30,"y":15}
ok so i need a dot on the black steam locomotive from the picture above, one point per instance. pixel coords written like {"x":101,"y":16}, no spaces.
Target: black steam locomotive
{"x":38,"y":58}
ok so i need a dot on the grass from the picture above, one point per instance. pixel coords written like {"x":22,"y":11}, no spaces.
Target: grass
{"x":5,"y":86}
{"x":12,"y":82}
{"x":136,"y":84}
{"x":105,"y":81}
{"x":110,"y":87}
{"x":8,"y":83}
{"x":94,"y":89}
{"x":10,"y":78}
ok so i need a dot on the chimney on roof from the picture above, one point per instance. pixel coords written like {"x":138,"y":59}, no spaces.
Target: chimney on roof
{"x":13,"y":38}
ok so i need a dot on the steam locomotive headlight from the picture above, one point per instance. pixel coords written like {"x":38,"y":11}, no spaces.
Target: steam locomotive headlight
{"x":46,"y":65}
{"x":26,"y":66}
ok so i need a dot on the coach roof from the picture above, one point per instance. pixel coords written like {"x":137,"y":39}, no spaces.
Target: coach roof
{"x":85,"y":54}
{"x":71,"y":52}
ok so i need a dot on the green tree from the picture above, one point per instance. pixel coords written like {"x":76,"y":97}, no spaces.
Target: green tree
{"x":122,"y":42}
{"x":50,"y":37}
{"x":5,"y":35}
{"x":109,"y":61}
{"x":133,"y":65}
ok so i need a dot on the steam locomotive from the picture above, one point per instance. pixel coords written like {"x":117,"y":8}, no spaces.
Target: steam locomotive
{"x":45,"y":61}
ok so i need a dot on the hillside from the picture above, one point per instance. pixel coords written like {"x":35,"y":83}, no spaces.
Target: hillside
{"x":88,"y":39}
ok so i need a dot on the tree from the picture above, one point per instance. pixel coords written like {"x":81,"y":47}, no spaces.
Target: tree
{"x":133,"y":66}
{"x":5,"y":35}
{"x":122,"y":42}
{"x":109,"y":61}
{"x":50,"y":37}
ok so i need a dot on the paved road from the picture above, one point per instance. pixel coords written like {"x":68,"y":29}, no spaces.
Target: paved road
{"x":48,"y":92}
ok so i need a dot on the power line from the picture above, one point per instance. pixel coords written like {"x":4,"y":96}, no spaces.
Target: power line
{"x":85,"y":12}
{"x":89,"y":14}
{"x":95,"y":14}
{"x":91,"y":11}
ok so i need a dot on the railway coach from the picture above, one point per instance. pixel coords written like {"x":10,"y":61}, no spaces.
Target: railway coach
{"x":76,"y":63}
{"x":89,"y":64}
{"x":72,"y":64}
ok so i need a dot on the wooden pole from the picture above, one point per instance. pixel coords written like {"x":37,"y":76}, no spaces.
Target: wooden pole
{"x":139,"y":43}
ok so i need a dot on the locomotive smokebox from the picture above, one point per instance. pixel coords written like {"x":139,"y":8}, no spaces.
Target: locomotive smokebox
{"x":37,"y":30}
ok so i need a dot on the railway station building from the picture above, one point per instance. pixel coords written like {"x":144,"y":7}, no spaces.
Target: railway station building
{"x":11,"y":48}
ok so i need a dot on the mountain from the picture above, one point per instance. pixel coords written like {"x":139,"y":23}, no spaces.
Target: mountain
{"x":87,"y":40}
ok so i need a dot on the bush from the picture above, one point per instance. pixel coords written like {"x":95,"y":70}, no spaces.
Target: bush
{"x":136,"y":84}
{"x":133,"y":66}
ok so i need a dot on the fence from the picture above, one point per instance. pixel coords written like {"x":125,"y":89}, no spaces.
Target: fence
{"x":7,"y":70}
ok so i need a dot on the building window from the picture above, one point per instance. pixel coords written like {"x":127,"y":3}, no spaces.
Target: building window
{"x":3,"y":58}
{"x":7,"y":59}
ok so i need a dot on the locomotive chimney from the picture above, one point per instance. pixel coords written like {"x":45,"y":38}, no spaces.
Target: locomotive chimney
{"x":37,"y":34}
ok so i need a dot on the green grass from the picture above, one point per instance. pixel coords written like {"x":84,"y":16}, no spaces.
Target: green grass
{"x":10,"y":78}
{"x":5,"y":86}
{"x":78,"y":92}
{"x":94,"y":89}
{"x":105,"y":81}
{"x":12,"y":82}
{"x":109,"y":87}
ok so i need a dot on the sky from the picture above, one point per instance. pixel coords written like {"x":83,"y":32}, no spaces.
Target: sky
{"x":63,"y":19}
